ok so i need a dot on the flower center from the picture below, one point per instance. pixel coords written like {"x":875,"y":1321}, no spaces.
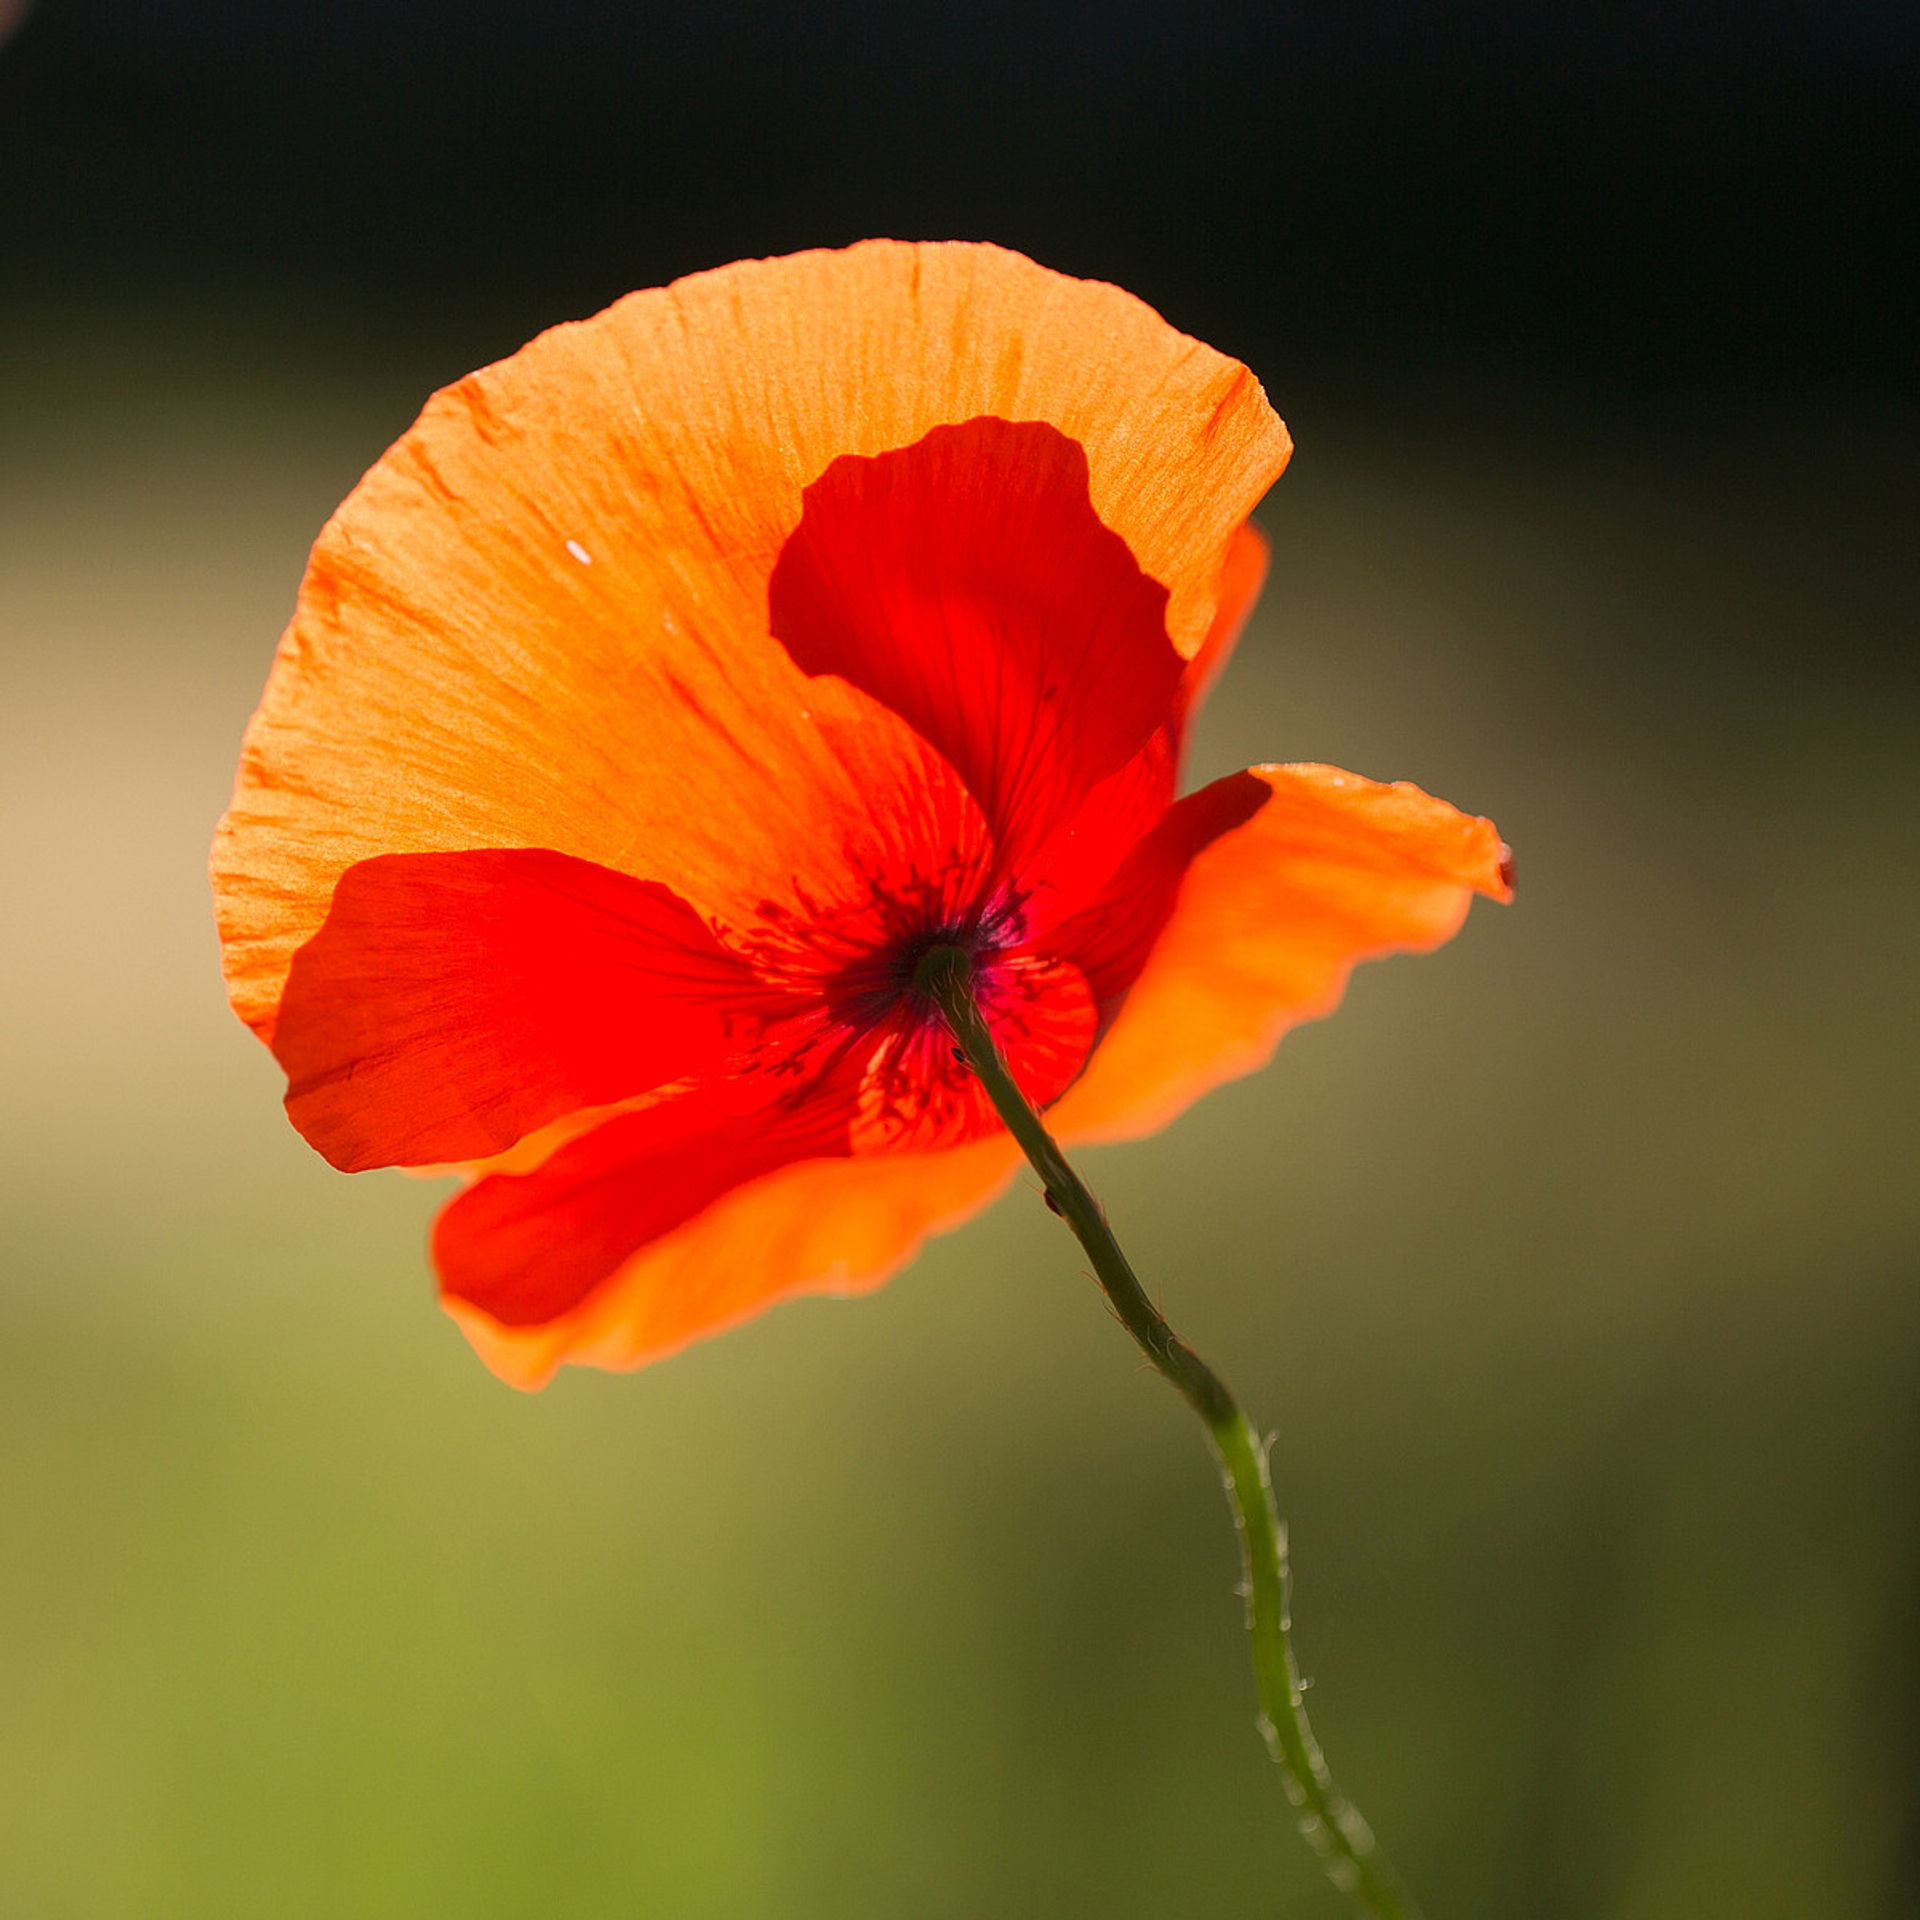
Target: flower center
{"x":943,"y":964}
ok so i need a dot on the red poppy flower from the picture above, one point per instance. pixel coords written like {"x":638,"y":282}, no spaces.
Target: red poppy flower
{"x":671,"y":687}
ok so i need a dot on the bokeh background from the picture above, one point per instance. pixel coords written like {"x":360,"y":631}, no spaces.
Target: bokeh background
{"x":1575,"y":1267}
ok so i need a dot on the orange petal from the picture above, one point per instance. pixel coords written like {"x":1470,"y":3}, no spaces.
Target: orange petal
{"x":1242,"y":574}
{"x":541,"y":620}
{"x":529,"y":1248}
{"x":821,"y":1226}
{"x":1268,"y":922}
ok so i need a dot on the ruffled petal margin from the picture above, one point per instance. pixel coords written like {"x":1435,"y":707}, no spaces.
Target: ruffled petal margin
{"x":820,"y":1226}
{"x":1269,"y":921}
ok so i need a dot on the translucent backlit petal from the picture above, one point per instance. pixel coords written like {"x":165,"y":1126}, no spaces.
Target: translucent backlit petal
{"x":1076,"y":865}
{"x":1110,"y":938}
{"x":453,"y":1002}
{"x":1267,"y":923}
{"x":819,"y":1226}
{"x":967,"y":583}
{"x":526,"y":1248}
{"x":541,"y":620}
{"x":1242,"y":574}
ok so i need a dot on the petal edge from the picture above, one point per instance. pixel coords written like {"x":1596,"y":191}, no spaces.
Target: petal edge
{"x":1269,"y":921}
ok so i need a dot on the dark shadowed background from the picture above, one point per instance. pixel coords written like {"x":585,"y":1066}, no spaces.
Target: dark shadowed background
{"x":1575,"y":1266}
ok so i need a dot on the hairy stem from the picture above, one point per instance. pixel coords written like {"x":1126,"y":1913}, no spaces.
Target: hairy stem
{"x":1328,"y":1820}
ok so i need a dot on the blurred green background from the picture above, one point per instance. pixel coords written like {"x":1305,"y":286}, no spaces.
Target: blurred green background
{"x":1574,"y":1266}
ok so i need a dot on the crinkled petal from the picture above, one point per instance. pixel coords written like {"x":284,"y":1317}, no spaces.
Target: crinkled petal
{"x":1076,"y":865}
{"x":1267,"y":922}
{"x":542,"y":618}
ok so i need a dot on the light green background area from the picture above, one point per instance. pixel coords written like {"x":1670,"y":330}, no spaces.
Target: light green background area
{"x":1574,"y":1268}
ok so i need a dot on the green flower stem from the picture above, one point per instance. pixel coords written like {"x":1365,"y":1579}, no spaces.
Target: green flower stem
{"x":1328,"y":1820}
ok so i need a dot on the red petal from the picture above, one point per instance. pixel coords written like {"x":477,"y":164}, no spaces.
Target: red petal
{"x":453,"y":1002}
{"x":527,"y":1248}
{"x":967,"y":582}
{"x":1079,"y":859}
{"x":1110,"y":939}
{"x":918,"y":1095}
